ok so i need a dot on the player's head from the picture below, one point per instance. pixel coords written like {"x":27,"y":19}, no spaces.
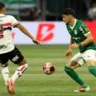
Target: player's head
{"x":2,"y":7}
{"x":68,"y":14}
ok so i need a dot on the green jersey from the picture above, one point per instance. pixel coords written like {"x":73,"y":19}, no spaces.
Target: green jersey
{"x":78,"y":33}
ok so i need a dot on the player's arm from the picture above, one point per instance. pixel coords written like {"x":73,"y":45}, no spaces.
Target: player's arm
{"x":71,"y":42}
{"x":15,"y":23}
{"x":69,"y":51}
{"x":87,"y":34}
{"x":25,"y":31}
{"x":88,"y":39}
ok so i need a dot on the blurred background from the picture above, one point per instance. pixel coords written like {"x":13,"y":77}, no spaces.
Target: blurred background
{"x":49,"y":10}
{"x":44,"y":11}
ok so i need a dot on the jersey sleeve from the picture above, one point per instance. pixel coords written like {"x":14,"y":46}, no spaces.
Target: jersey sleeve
{"x":84,"y":29}
{"x":14,"y":22}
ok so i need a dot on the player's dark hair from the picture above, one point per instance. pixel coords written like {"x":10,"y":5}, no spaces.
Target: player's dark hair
{"x":2,"y":5}
{"x":69,"y":11}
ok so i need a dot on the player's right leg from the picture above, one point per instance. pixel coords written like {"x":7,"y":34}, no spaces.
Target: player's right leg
{"x":19,"y":71}
{"x":17,"y":58}
{"x":75,"y":62}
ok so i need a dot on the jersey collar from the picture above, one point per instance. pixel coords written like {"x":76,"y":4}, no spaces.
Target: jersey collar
{"x":74,"y":24}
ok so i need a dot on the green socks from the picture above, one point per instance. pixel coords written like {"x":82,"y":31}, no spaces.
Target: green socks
{"x":92,"y":70}
{"x":75,"y":77}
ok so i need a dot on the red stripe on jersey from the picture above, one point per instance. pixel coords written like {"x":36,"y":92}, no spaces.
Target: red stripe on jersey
{"x":7,"y":24}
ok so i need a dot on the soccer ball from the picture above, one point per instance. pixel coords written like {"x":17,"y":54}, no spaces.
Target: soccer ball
{"x":48,"y":68}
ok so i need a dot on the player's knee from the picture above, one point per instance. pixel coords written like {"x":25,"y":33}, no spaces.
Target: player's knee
{"x":91,"y":62}
{"x":67,"y":69}
{"x":70,"y":66}
{"x":92,"y":70}
{"x":23,"y":62}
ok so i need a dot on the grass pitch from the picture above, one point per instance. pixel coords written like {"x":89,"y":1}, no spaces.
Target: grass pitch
{"x":35,"y":83}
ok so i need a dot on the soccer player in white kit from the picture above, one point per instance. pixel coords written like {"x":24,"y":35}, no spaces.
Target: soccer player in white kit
{"x":8,"y":51}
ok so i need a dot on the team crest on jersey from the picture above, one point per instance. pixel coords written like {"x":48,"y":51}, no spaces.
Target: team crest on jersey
{"x":75,"y":32}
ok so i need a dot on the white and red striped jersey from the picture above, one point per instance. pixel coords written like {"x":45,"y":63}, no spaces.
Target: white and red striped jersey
{"x":6,"y":24}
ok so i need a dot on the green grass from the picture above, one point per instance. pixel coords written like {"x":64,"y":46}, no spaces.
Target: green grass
{"x":35,"y":83}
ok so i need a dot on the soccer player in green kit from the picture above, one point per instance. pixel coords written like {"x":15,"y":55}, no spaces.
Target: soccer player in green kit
{"x":80,"y":38}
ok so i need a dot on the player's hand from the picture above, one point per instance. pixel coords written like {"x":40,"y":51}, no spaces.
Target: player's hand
{"x":68,"y":53}
{"x":74,"y":46}
{"x":36,"y":41}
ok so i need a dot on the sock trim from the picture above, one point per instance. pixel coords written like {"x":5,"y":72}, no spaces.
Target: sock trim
{"x":67,"y":68}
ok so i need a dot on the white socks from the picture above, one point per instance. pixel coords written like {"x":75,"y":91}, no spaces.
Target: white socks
{"x":5,"y":73}
{"x":19,"y":71}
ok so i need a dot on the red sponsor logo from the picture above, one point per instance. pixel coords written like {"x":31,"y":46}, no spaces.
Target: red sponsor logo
{"x":45,"y":32}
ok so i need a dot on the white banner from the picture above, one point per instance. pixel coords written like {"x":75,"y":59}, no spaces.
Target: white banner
{"x":45,"y":32}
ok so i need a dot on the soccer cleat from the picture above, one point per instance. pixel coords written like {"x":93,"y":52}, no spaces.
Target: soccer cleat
{"x":81,"y":89}
{"x":10,"y":86}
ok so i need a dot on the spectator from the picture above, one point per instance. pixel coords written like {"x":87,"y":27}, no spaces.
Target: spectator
{"x":33,"y":14}
{"x":92,"y":12}
{"x":36,"y":13}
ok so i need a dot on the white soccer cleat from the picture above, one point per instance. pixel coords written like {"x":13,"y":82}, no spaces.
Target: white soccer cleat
{"x":81,"y":89}
{"x":10,"y":86}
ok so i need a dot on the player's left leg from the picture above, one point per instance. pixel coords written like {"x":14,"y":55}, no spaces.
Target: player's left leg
{"x":90,"y":58}
{"x":92,"y":67}
{"x":20,"y":70}
{"x":17,"y":58}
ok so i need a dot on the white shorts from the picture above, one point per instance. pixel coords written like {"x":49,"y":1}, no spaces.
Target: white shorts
{"x":82,"y":58}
